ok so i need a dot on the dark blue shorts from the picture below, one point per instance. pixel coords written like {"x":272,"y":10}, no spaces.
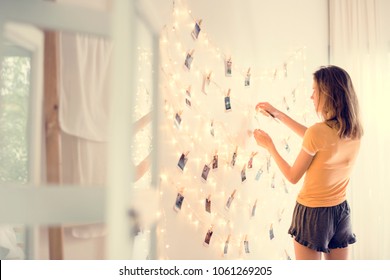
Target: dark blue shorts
{"x":322,"y":228}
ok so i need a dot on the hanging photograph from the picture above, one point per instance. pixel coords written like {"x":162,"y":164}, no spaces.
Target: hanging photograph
{"x":195,"y":32}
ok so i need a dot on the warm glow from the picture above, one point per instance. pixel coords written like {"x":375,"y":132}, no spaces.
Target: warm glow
{"x":195,"y":135}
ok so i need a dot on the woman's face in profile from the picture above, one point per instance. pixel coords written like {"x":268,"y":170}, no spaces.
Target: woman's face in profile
{"x":316,"y":97}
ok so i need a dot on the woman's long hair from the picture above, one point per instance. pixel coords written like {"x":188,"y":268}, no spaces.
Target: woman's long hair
{"x":340,"y":105}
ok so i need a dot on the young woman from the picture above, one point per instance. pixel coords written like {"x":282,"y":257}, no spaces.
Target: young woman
{"x":321,"y":221}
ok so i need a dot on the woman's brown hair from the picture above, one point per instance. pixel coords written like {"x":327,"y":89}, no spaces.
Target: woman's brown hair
{"x":341,"y":107}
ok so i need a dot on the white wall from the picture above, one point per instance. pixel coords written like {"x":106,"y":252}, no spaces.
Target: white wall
{"x":256,"y":34}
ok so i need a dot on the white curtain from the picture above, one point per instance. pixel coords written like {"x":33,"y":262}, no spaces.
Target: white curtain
{"x":85,"y":64}
{"x":84,"y":85}
{"x":358,"y":46}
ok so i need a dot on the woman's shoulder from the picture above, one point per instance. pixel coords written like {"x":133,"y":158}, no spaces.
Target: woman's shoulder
{"x":320,"y":127}
{"x":321,"y":130}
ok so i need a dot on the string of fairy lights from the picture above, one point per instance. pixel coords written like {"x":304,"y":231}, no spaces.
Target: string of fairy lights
{"x":209,"y":180}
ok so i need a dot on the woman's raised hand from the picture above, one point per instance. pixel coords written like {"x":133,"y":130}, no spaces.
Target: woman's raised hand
{"x":267,"y":109}
{"x":263,"y":139}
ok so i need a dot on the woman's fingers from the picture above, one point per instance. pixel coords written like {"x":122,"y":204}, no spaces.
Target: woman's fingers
{"x":259,"y":133}
{"x":262,"y":138}
{"x":267,"y":109}
{"x":264,"y":106}
{"x":261,"y":106}
{"x":266,"y":113}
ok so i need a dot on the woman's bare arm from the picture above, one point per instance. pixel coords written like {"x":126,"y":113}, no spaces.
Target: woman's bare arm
{"x":292,"y":173}
{"x":298,"y":128}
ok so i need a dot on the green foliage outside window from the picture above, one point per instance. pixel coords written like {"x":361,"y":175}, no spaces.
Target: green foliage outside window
{"x":14,"y":96}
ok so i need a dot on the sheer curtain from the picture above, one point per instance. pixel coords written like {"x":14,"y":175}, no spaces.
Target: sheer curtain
{"x":358,"y":46}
